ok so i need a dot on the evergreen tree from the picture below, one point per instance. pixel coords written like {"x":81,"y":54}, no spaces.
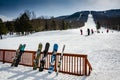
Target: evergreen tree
{"x":22,"y":24}
{"x":98,"y":26}
{"x":46,"y":25}
{"x":3,"y":29}
{"x":64,"y":25}
{"x":53,"y":25}
{"x":10,"y":27}
{"x":17,"y":26}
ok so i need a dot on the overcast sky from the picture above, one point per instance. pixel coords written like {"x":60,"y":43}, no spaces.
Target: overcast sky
{"x":12,"y":8}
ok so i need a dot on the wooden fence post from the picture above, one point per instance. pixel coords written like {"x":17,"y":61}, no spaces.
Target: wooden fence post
{"x":3,"y":56}
{"x":33,"y":57}
{"x":55,"y":63}
{"x":86,"y":65}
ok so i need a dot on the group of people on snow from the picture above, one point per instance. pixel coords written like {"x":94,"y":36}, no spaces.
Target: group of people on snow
{"x":88,"y":31}
{"x":91,"y":31}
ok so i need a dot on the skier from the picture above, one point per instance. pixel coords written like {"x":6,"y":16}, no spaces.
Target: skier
{"x":107,"y":30}
{"x":81,"y":32}
{"x":92,"y":31}
{"x":88,"y":30}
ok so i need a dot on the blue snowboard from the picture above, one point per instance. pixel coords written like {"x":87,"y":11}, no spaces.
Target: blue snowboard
{"x":53,"y":58}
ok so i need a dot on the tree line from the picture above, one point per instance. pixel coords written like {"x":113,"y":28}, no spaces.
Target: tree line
{"x":112,"y":22}
{"x":23,"y":25}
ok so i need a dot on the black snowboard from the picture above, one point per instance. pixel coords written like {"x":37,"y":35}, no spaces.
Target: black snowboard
{"x":45,"y":53}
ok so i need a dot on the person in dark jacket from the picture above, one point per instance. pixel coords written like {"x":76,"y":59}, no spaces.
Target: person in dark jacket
{"x":92,"y":31}
{"x":81,"y":32}
{"x":88,"y":30}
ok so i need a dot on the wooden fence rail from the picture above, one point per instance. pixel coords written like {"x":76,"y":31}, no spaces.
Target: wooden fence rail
{"x":76,"y":64}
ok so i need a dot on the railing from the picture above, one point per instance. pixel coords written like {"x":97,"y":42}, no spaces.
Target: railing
{"x":76,"y":64}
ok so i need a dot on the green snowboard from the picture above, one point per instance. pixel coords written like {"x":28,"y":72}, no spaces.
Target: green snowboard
{"x":17,"y":52}
{"x":36,"y":60}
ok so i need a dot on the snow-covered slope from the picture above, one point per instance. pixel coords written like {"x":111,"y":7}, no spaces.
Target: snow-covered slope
{"x":103,"y":52}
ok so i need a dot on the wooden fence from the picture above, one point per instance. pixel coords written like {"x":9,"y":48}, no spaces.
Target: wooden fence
{"x":76,"y":64}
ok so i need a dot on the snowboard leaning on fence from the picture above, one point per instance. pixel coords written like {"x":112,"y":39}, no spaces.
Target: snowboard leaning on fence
{"x":53,"y":58}
{"x":60,"y":60}
{"x":18,"y":55}
{"x":43,"y":60}
{"x":37,"y":56}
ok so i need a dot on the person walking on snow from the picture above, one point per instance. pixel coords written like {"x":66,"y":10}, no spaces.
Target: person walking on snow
{"x":88,"y":30}
{"x":92,"y":31}
{"x":107,"y":30}
{"x":81,"y":32}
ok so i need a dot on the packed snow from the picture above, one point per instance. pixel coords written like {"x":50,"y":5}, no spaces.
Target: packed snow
{"x":103,"y":52}
{"x":102,"y":48}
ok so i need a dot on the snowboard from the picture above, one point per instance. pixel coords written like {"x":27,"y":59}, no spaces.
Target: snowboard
{"x":19,"y":55}
{"x":45,"y":52}
{"x":37,"y":56}
{"x":60,"y":60}
{"x":53,"y":58}
{"x":16,"y":55}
